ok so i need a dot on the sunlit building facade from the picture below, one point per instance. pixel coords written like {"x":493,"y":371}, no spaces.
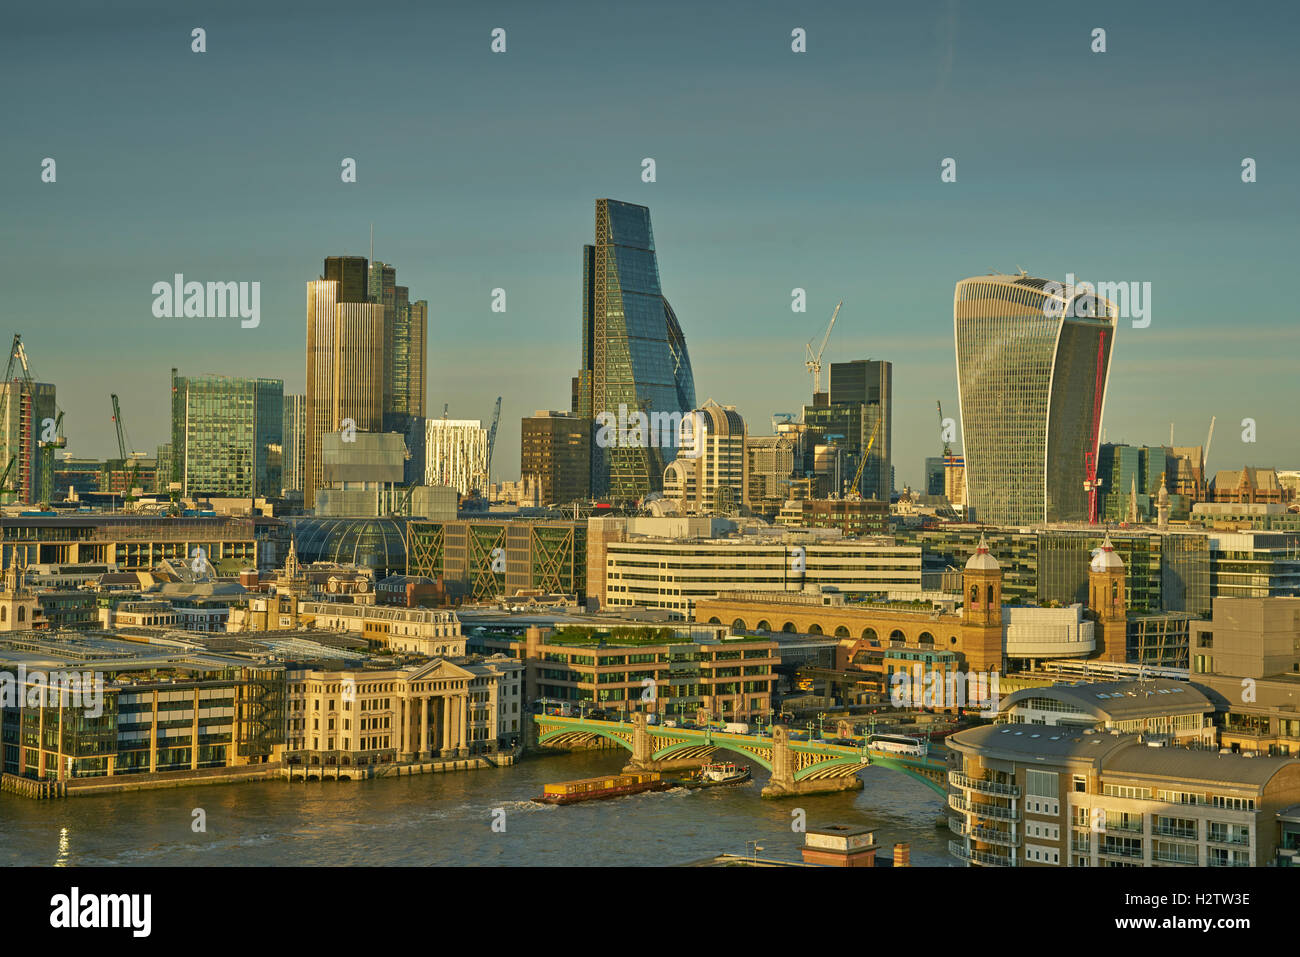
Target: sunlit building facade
{"x":1029,"y":373}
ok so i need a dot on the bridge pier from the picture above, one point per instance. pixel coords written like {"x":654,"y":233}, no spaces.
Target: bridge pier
{"x":783,"y":784}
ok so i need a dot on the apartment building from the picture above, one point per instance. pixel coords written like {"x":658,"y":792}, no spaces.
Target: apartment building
{"x":1033,"y":795}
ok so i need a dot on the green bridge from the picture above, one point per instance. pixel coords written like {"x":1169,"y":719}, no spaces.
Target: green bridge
{"x":796,"y":766}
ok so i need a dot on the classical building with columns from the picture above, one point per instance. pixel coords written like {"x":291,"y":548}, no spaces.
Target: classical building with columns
{"x":364,"y":716}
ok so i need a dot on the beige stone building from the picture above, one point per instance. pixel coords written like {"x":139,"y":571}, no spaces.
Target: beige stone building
{"x":362,"y":716}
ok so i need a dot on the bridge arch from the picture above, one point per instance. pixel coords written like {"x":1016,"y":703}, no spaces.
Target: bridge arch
{"x":814,"y":629}
{"x":841,"y":632}
{"x":789,"y":628}
{"x":764,"y":626}
{"x":739,"y":625}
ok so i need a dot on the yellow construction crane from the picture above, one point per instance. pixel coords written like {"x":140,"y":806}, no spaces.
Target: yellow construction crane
{"x":857,"y":476}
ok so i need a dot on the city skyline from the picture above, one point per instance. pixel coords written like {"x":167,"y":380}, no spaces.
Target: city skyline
{"x":756,"y":195}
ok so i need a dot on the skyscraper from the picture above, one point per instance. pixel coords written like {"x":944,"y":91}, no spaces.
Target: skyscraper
{"x":229,"y":431}
{"x":555,"y":450}
{"x":345,"y":361}
{"x":1033,"y":357}
{"x":405,"y":330}
{"x":25,"y":406}
{"x":634,"y":358}
{"x":295,"y":442}
{"x":859,"y":405}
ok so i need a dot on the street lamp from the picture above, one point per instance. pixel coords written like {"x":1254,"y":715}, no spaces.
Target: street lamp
{"x":756,"y":847}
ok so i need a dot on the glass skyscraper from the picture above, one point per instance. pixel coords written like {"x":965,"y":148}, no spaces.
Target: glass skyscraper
{"x":1030,"y":353}
{"x":228,"y":435}
{"x":633,"y":351}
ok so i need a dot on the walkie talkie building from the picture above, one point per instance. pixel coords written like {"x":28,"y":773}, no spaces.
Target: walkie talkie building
{"x":634,"y":357}
{"x":1033,"y":358}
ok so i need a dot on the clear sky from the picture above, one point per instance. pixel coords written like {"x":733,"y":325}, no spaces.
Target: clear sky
{"x":775,"y":170}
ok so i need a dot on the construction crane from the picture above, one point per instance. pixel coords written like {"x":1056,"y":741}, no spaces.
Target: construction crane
{"x":6,"y":487}
{"x":857,"y":476}
{"x":123,"y":440}
{"x":1090,"y":481}
{"x":41,"y":484}
{"x":492,"y":439}
{"x":813,"y":363}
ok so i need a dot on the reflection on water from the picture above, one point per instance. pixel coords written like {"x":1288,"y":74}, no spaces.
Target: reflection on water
{"x":448,"y":819}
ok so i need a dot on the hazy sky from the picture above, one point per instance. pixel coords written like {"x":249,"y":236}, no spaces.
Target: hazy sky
{"x":775,"y":170}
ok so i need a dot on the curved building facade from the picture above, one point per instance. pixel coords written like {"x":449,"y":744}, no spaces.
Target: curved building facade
{"x":1033,"y":360}
{"x":634,"y":358}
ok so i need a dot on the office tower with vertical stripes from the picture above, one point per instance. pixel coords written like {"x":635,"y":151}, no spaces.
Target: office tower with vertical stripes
{"x":1033,"y":359}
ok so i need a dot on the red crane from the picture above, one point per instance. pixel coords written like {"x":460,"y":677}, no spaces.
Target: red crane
{"x":1090,"y":482}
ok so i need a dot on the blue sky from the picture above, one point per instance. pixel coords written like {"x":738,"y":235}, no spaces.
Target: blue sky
{"x":775,"y":170}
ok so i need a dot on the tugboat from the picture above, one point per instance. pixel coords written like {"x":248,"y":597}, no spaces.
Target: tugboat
{"x":716,"y":775}
{"x":610,"y":786}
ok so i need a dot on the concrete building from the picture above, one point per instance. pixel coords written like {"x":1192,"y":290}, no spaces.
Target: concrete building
{"x":1033,"y":360}
{"x":456,"y":454}
{"x":555,"y":454}
{"x":1248,"y":656}
{"x":770,"y":462}
{"x":1249,"y":485}
{"x":1039,"y":795}
{"x":709,"y":475}
{"x":676,"y":575}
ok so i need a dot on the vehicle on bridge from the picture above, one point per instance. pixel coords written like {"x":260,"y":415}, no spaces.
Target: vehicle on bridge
{"x":896,"y":744}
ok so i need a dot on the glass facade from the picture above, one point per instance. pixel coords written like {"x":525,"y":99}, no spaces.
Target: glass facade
{"x":633,"y":351}
{"x":1027,"y":364}
{"x":230,"y":432}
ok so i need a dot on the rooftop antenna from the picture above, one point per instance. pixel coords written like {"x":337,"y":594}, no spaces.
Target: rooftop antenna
{"x":372,"y":244}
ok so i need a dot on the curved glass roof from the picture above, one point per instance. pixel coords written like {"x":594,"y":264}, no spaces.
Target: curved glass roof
{"x":378,"y":543}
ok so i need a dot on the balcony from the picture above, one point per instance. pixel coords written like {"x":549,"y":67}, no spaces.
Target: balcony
{"x":990,"y":835}
{"x":1117,"y":850}
{"x":984,"y":787}
{"x":958,"y":850}
{"x":959,"y":803}
{"x":1180,"y":833}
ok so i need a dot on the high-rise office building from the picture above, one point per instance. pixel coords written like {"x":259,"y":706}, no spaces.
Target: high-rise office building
{"x":405,"y":331}
{"x":227,"y":435}
{"x":858,"y":406}
{"x":295,"y":442}
{"x":25,"y":406}
{"x":1033,"y":358}
{"x":634,"y":358}
{"x":456,"y":454}
{"x":345,"y":361}
{"x":710,"y":475}
{"x":555,"y":451}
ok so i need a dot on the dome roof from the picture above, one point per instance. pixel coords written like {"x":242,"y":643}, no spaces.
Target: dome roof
{"x":378,"y":543}
{"x":982,"y":561}
{"x":1105,"y":559}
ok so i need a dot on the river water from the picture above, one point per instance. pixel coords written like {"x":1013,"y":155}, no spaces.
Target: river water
{"x":481,"y":817}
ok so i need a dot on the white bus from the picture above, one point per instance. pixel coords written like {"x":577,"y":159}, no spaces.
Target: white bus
{"x":896,"y":744}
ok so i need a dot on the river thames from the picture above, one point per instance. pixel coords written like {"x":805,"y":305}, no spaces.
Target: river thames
{"x":448,"y":819}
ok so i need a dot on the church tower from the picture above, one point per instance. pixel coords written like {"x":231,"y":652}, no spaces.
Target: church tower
{"x":982,"y":610}
{"x":1108,"y":599}
{"x":18,"y":606}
